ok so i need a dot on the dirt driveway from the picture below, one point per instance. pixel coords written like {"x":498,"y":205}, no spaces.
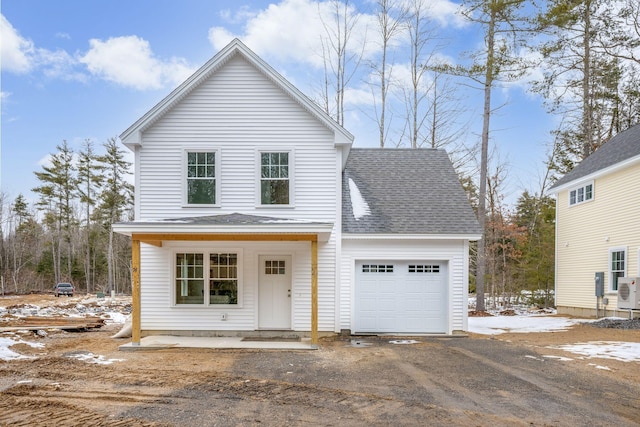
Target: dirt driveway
{"x":475,"y":381}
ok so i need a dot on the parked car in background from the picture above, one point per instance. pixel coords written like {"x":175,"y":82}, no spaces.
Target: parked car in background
{"x":63,"y":289}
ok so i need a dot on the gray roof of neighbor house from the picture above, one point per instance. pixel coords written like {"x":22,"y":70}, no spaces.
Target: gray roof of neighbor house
{"x":404,"y":191}
{"x":621,"y":147}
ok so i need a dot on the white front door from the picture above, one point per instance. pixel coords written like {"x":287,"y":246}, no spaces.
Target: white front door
{"x":274,"y":295}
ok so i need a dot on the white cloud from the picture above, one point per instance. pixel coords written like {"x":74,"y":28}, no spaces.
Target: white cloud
{"x":292,"y":30}
{"x":16,"y":52}
{"x":129,"y":61}
{"x":446,"y":13}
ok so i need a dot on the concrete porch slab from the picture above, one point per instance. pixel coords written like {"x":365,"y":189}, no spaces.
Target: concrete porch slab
{"x":158,"y":342}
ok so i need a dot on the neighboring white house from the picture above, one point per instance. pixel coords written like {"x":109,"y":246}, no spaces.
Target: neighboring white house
{"x":598,"y":226}
{"x":253,"y":213}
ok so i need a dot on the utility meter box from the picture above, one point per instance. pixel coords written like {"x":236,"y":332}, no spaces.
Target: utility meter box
{"x":599,"y":279}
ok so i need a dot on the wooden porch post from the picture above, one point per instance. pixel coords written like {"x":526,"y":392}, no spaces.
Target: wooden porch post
{"x":135,"y":293}
{"x":314,"y":292}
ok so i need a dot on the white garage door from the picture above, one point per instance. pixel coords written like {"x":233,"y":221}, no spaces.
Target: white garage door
{"x":401,"y":297}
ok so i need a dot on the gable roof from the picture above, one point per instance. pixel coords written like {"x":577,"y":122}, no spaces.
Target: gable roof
{"x":405,"y":192}
{"x":132,"y":136}
{"x":619,"y":151}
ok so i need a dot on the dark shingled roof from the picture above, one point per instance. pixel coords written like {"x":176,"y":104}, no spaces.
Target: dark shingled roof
{"x":408,"y":191}
{"x":623,"y":146}
{"x":233,"y":219}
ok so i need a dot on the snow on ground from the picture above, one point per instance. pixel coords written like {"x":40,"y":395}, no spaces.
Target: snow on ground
{"x":93,"y":358}
{"x":111,"y":310}
{"x":494,"y":325}
{"x":616,"y":350}
{"x":7,"y":354}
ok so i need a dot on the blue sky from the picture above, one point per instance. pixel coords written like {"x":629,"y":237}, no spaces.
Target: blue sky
{"x":78,"y":69}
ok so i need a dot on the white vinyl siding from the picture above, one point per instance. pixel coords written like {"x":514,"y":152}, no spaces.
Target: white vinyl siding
{"x":242,"y":111}
{"x":451,"y":252}
{"x":157,"y":283}
{"x":237,"y":113}
{"x":584,"y":236}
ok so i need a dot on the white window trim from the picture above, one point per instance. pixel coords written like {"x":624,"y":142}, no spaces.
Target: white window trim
{"x":183,"y":176}
{"x":258,"y":177}
{"x":610,"y":272}
{"x":578,"y":187}
{"x":206,"y":253}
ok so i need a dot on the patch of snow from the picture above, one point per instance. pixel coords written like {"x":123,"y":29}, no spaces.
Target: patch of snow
{"x":616,"y":350}
{"x":93,"y":358}
{"x":604,"y":368}
{"x":7,"y":354}
{"x":115,"y":317}
{"x":495,"y":325}
{"x":560,"y":358}
{"x":404,"y":342}
{"x":358,"y":203}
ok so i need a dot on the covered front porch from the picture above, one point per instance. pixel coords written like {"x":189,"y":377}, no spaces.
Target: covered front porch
{"x":169,"y":238}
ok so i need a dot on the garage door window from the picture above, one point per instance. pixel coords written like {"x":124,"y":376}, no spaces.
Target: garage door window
{"x":424,"y":268}
{"x":377,"y":268}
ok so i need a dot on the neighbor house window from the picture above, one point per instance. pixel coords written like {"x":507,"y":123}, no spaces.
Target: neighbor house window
{"x":201,"y":177}
{"x":207,"y":278}
{"x":274,"y":178}
{"x":617,"y":266}
{"x":581,"y":194}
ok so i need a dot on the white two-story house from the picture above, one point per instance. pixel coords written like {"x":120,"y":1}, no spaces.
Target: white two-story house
{"x":253,"y":213}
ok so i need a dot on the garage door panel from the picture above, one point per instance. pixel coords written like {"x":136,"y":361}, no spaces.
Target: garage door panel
{"x":401,"y":297}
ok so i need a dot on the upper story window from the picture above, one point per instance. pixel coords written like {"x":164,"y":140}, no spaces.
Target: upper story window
{"x":201,"y":178}
{"x":275,"y":182}
{"x":581,"y":194}
{"x":617,"y":266}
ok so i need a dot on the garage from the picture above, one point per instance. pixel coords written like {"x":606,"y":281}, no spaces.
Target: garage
{"x":400,"y":297}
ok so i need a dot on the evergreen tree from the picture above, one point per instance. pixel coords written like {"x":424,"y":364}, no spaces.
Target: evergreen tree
{"x":115,"y":199}
{"x":57,"y":193}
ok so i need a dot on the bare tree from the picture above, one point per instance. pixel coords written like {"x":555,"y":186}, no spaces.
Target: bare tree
{"x":503,"y":27}
{"x":391,"y":15}
{"x":341,"y":59}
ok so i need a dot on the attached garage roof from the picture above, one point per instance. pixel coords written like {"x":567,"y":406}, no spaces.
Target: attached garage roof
{"x":405,"y":192}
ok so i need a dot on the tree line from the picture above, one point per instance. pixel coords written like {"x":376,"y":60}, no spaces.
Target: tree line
{"x":66,"y":236}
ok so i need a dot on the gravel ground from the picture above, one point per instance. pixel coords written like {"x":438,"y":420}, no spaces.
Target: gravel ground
{"x":617,"y":324}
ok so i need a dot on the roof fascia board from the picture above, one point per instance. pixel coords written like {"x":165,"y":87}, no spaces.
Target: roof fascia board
{"x":132,"y":136}
{"x":598,"y":174}
{"x":322,"y":230}
{"x":471,"y":237}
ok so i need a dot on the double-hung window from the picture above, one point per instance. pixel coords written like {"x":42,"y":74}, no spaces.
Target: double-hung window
{"x":275,"y":181}
{"x":208,"y":278}
{"x":201,"y":178}
{"x":617,"y":266}
{"x":581,"y":194}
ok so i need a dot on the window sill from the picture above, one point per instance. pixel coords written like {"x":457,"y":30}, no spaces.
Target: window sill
{"x":200,"y":206}
{"x":275,"y":206}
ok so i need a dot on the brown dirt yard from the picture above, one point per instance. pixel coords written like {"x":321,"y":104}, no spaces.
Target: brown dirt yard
{"x":504,"y":380}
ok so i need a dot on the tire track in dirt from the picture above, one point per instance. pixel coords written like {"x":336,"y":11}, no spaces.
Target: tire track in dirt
{"x":27,"y":412}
